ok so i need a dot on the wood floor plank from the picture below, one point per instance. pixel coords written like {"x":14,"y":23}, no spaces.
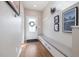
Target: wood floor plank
{"x":34,"y":49}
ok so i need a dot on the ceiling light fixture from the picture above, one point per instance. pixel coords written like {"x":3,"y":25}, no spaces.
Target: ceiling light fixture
{"x":34,"y":5}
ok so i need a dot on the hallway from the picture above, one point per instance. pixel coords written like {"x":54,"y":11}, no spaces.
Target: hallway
{"x":54,"y":23}
{"x":34,"y":49}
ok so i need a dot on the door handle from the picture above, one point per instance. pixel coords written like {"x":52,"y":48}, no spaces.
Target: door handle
{"x":36,"y":27}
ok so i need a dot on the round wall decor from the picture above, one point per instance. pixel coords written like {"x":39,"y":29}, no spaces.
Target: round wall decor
{"x":32,"y":23}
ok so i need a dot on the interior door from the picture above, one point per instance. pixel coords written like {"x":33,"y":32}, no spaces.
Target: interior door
{"x":31,"y":27}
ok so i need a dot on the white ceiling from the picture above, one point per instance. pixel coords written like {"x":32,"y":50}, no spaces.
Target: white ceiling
{"x":40,"y":5}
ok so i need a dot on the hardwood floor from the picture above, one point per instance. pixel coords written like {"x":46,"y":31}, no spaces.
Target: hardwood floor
{"x":34,"y":49}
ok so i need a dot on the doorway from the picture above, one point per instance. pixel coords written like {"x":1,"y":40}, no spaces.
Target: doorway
{"x":31,"y":27}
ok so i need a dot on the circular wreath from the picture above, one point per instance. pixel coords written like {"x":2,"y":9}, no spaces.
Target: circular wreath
{"x":32,"y":23}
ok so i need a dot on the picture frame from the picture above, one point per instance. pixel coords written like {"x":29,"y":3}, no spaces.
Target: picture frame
{"x":70,"y":18}
{"x":56,"y":27}
{"x":56,"y":23}
{"x":56,"y":19}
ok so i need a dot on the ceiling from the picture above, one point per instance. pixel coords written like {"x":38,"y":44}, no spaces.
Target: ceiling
{"x":35,"y":5}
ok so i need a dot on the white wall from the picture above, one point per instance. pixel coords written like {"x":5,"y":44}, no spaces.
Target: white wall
{"x":75,"y":41}
{"x":62,"y":38}
{"x":10,"y":31}
{"x":36,"y":14}
{"x":21,"y":40}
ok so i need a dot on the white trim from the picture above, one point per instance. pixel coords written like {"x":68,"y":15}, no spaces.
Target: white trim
{"x":19,"y":52}
{"x":20,"y":49}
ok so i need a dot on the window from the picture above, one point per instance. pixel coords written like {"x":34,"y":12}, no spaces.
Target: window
{"x":32,"y":24}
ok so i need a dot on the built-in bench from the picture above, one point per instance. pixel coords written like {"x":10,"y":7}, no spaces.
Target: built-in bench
{"x":55,"y":48}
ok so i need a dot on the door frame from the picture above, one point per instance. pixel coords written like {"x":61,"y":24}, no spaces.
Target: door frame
{"x":26,"y":26}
